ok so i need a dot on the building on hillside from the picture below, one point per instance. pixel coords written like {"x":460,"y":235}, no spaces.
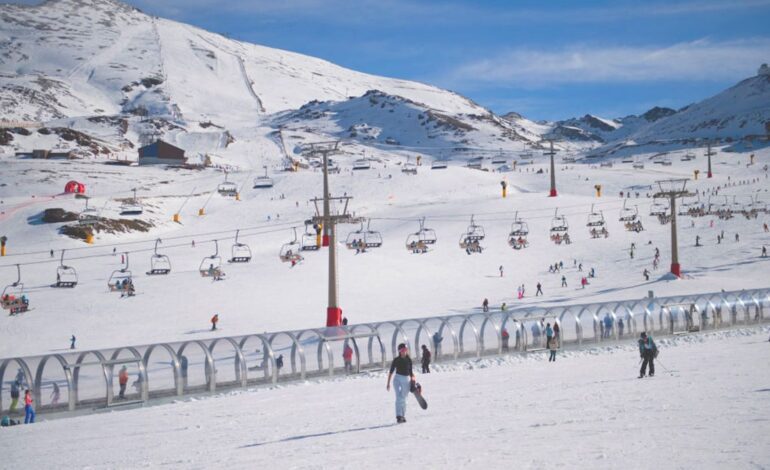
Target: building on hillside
{"x":161,"y":153}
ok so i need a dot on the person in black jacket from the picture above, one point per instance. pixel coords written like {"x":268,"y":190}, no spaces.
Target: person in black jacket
{"x":425,"y":360}
{"x":402,"y":366}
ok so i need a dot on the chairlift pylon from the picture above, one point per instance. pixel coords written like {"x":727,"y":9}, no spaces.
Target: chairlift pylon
{"x":240,"y":252}
{"x":159,"y":264}
{"x":211,"y":266}
{"x":66,"y":276}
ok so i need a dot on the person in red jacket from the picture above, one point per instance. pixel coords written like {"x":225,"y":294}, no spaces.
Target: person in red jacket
{"x":347,"y":356}
{"x":214,"y":321}
{"x":29,"y":412}
{"x":123,"y":381}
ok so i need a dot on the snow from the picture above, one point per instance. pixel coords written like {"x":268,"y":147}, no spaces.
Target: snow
{"x":706,"y":407}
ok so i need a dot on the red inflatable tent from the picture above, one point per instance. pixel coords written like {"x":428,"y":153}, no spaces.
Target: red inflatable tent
{"x":75,"y":187}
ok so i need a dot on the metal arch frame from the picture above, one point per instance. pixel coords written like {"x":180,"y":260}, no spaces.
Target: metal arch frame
{"x":176,"y":366}
{"x":38,"y":392}
{"x":267,"y":347}
{"x":145,"y":391}
{"x":468,"y":319}
{"x":76,"y":375}
{"x":498,"y":331}
{"x":372,"y":329}
{"x":584,"y":309}
{"x":578,"y":325}
{"x":396,"y":331}
{"x":445,"y":323}
{"x":519,"y":328}
{"x":211,"y":376}
{"x":240,"y":361}
{"x":296,"y":349}
{"x":421,"y":325}
{"x":322,"y":344}
{"x":27,"y":374}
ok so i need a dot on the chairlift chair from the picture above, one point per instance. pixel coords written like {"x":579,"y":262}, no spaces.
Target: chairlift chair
{"x":310,"y":239}
{"x":263,"y":181}
{"x":66,"y":276}
{"x":240,"y":252}
{"x":290,"y":252}
{"x":517,"y":238}
{"x":361,"y":164}
{"x":559,"y":223}
{"x":159,"y":264}
{"x":227,"y":188}
{"x":421,"y":240}
{"x":627,"y":214}
{"x":132,"y":207}
{"x":13,"y":298}
{"x":211,"y":266}
{"x":89,"y":216}
{"x":438,"y":165}
{"x":120,"y":279}
{"x":470,"y":240}
{"x":595,"y":219}
{"x":659,"y":208}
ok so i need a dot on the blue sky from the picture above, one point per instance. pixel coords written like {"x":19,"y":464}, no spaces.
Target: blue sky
{"x":543,"y":59}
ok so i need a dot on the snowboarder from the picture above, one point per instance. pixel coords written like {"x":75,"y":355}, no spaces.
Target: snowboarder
{"x":485,"y":305}
{"x":347,"y":356}
{"x":29,"y":411}
{"x":539,"y":290}
{"x":425,"y":360}
{"x":564,"y":281}
{"x":72,"y":342}
{"x":553,"y":346}
{"x":123,"y":381}
{"x":402,"y":366}
{"x":647,"y":351}
{"x":214,"y":321}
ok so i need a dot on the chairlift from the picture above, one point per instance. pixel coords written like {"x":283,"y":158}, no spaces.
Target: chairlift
{"x":159,"y":264}
{"x":409,"y":168}
{"x":227,"y":188}
{"x":421,"y":240}
{"x":688,"y":205}
{"x":89,"y":216}
{"x":310,"y":239}
{"x":263,"y":181}
{"x":658,"y":207}
{"x":362,"y":164}
{"x":211,"y":266}
{"x":627,"y":214}
{"x":66,"y":276}
{"x":438,"y":165}
{"x":120,"y":279}
{"x":13,"y":298}
{"x":131,"y":207}
{"x":239,"y":252}
{"x":290,"y":252}
{"x":363,"y":239}
{"x":637,"y":165}
{"x":517,"y":238}
{"x":595,"y":219}
{"x":559,"y":229}
{"x":470,"y":240}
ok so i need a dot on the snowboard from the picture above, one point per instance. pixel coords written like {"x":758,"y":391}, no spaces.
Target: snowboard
{"x":416,"y":389}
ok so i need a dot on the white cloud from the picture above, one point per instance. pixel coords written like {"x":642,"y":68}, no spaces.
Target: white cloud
{"x":701,"y":60}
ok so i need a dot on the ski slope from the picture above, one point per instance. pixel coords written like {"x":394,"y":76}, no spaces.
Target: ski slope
{"x":707,"y":407}
{"x":383,"y":284}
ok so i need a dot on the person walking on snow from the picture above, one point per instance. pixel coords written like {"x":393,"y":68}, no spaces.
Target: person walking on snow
{"x":564,"y":281}
{"x":539,"y":290}
{"x":648,"y":351}
{"x":506,"y":337}
{"x":437,"y":339}
{"x":347,"y":356}
{"x":548,"y":335}
{"x":122,"y":381}
{"x":55,"y":395}
{"x":402,"y":366}
{"x":72,"y":342}
{"x":501,"y":270}
{"x":553,"y":347}
{"x":485,"y":305}
{"x":29,"y":411}
{"x":425,"y":360}
{"x":15,"y":393}
{"x":764,"y":251}
{"x":214,"y":321}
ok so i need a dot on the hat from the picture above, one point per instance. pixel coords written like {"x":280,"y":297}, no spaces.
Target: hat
{"x":643,"y":334}
{"x":401,"y":346}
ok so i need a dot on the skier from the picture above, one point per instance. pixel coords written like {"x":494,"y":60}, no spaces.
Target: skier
{"x":647,"y":351}
{"x":72,"y":342}
{"x":15,"y":391}
{"x":580,"y":267}
{"x":214,"y":321}
{"x":548,"y":335}
{"x":564,"y":281}
{"x":29,"y":411}
{"x":501,"y":270}
{"x":55,"y":395}
{"x":123,"y":381}
{"x":583,"y":282}
{"x":425,"y":360}
{"x":402,"y":366}
{"x":485,"y":305}
{"x":539,"y":290}
{"x":347,"y":356}
{"x":553,"y":347}
{"x":592,"y":273}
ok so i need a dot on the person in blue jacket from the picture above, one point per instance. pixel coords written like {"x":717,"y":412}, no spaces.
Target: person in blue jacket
{"x":607,"y":325}
{"x":548,"y":335}
{"x":648,"y":351}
